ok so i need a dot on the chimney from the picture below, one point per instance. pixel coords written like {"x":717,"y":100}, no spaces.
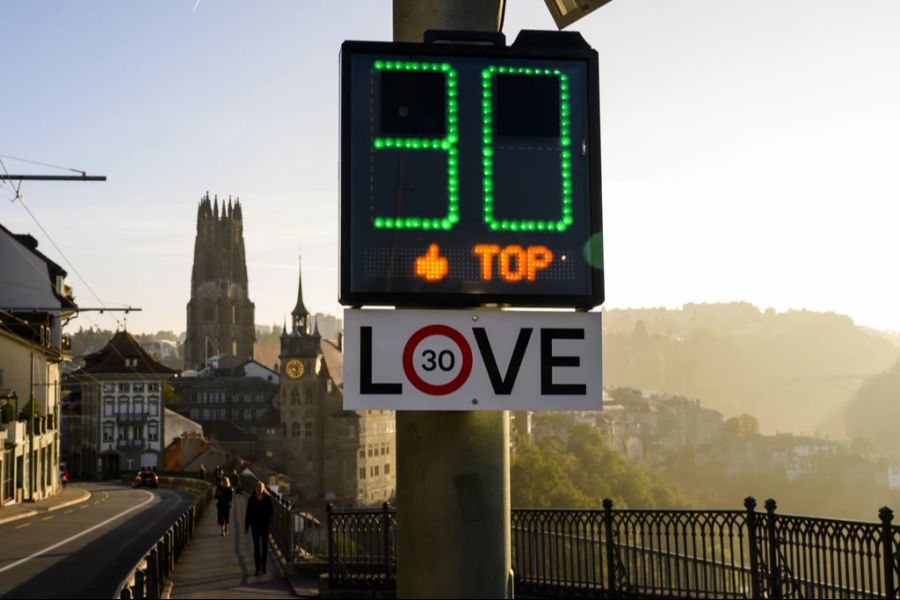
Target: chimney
{"x":340,"y":340}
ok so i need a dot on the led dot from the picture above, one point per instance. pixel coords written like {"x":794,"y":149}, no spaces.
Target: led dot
{"x":379,"y":222}
{"x":560,"y":226}
{"x":565,"y":141}
{"x":541,"y":225}
{"x":494,"y":226}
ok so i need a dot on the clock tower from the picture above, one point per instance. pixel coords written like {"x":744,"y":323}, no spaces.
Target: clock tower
{"x":300,"y":399}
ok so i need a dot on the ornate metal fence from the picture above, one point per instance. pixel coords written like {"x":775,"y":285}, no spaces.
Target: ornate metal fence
{"x":655,"y":553}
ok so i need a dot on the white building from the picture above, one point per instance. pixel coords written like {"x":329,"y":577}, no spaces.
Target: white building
{"x":34,"y":301}
{"x":122,"y":425}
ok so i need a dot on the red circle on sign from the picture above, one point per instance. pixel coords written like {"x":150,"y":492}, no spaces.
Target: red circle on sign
{"x":410,"y":370}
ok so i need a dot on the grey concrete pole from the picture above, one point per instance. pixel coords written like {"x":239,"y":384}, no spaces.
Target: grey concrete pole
{"x":453,"y":530}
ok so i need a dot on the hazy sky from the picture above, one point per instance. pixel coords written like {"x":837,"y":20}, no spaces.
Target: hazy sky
{"x":751,"y":150}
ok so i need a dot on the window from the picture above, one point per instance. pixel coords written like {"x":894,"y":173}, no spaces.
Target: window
{"x":109,"y":387}
{"x":370,"y":450}
{"x":309,"y":399}
{"x":153,"y":432}
{"x":205,"y":414}
{"x":387,"y":469}
{"x":123,"y":406}
{"x":153,"y":387}
{"x":138,"y":387}
{"x":308,"y":426}
{"x":108,"y":433}
{"x":295,"y":397}
{"x":153,"y":408}
{"x":138,"y":407}
{"x":124,"y":388}
{"x":362,"y":473}
{"x":123,"y":433}
{"x":330,"y":386}
{"x":108,"y":408}
{"x":295,"y":429}
{"x":376,"y":467}
{"x":362,"y":453}
{"x":195,"y":414}
{"x":222,"y":416}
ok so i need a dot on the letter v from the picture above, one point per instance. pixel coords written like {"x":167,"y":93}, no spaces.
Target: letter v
{"x":502,"y":386}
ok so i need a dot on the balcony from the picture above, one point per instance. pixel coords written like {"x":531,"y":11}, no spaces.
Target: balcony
{"x":135,"y":443}
{"x":131,"y":417}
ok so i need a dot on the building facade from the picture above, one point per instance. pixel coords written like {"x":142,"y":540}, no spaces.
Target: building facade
{"x":219,"y":314}
{"x":34,"y":302}
{"x":330,"y":454}
{"x":122,"y":421}
{"x":231,"y":403}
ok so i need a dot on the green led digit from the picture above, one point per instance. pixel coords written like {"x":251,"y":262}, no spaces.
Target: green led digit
{"x":446,"y":144}
{"x":565,"y":150}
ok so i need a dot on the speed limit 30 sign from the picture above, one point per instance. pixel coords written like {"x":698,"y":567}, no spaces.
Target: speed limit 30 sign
{"x":472,"y":360}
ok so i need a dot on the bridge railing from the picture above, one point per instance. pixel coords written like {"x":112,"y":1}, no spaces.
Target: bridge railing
{"x":654,"y":553}
{"x":148,"y":577}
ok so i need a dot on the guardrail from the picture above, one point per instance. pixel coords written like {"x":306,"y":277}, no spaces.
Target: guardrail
{"x":655,"y":553}
{"x":147,"y":578}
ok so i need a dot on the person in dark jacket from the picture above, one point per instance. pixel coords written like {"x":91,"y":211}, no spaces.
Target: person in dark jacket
{"x":259,"y":516}
{"x":224,"y":495}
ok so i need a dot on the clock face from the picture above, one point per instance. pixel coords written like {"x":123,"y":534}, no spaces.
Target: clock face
{"x":294,"y":368}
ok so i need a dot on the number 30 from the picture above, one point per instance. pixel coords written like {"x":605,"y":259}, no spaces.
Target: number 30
{"x":449,"y":144}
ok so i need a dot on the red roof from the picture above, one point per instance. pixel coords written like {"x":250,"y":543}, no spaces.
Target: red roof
{"x":122,"y":354}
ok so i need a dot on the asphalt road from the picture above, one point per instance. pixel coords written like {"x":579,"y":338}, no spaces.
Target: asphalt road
{"x":93,"y":564}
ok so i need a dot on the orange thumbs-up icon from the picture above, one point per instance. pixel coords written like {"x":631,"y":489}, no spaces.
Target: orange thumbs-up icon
{"x":431,"y":265}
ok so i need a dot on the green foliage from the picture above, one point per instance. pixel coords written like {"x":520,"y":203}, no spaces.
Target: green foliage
{"x":30,"y":410}
{"x":7,"y":412}
{"x":874,"y":411}
{"x":581,"y":472}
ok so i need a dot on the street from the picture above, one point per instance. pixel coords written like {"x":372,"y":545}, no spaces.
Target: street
{"x":85,"y":551}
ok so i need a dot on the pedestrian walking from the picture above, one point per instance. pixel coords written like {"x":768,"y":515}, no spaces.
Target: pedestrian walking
{"x":236,"y":481}
{"x":224,"y":495}
{"x":257,"y":520}
{"x":65,"y":476}
{"x":202,"y":473}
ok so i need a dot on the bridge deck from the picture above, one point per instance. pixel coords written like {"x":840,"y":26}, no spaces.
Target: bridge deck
{"x":213,"y":566}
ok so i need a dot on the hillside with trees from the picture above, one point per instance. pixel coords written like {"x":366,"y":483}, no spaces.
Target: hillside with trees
{"x":795,"y":371}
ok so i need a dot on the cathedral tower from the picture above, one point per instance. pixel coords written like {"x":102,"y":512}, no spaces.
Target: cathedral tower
{"x":220,"y":315}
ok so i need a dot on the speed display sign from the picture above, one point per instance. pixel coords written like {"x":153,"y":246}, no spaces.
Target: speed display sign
{"x":470,"y":173}
{"x":472,"y":360}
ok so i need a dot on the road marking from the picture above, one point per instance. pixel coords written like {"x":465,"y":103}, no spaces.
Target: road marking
{"x":22,"y":525}
{"x":78,"y":535}
{"x":82,"y":507}
{"x":48,"y":518}
{"x":70,"y":511}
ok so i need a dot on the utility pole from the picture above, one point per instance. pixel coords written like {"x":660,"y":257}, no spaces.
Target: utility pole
{"x":453,"y":530}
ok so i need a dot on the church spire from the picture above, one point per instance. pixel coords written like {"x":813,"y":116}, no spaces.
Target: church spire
{"x":300,"y":314}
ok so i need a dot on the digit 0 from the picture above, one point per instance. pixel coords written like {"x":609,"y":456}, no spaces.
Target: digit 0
{"x":488,"y":76}
{"x":447,"y":144}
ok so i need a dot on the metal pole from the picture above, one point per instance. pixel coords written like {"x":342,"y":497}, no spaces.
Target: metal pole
{"x":31,"y":404}
{"x":453,"y":528}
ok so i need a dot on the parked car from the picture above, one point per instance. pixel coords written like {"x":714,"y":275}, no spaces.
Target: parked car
{"x":145,"y":478}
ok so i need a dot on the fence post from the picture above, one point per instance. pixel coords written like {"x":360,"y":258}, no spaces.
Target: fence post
{"x":774,"y":568}
{"x":610,"y":546}
{"x":138,"y":585}
{"x":329,"y":508}
{"x":152,"y":575}
{"x":887,"y":534}
{"x":753,"y":541}
{"x":386,"y":525}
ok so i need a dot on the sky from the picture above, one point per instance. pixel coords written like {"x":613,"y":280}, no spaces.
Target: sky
{"x":750,"y":150}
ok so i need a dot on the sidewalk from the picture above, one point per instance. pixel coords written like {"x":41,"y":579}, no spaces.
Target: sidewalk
{"x":72,"y":494}
{"x":213,"y":566}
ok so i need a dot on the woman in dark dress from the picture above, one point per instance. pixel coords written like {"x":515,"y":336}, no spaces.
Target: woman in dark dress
{"x":224,"y":495}
{"x":259,"y":516}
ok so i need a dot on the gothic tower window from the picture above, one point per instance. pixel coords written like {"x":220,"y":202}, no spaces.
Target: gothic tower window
{"x":308,"y":426}
{"x":309,"y":398}
{"x":295,"y":429}
{"x":295,"y":397}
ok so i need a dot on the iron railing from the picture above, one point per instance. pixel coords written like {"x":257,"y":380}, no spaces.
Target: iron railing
{"x":148,"y":577}
{"x":655,"y":553}
{"x":361,"y":549}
